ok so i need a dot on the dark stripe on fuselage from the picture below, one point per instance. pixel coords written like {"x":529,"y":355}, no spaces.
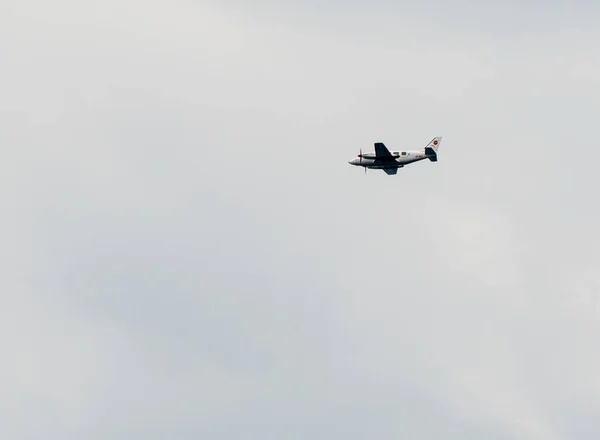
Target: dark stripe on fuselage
{"x":391,"y":163}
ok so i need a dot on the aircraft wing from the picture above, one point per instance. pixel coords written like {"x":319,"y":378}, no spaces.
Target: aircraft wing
{"x":390,"y":171}
{"x":381,"y":150}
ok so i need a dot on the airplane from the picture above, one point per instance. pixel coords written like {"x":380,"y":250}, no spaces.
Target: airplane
{"x":389,"y":162}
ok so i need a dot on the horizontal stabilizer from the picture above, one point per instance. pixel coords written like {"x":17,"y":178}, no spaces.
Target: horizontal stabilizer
{"x":431,"y":154}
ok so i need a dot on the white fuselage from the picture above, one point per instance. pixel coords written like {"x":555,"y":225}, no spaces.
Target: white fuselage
{"x":400,"y":159}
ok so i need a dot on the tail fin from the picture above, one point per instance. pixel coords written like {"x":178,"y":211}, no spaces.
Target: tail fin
{"x":432,"y":148}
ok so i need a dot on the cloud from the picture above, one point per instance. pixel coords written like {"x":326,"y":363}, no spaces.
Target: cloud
{"x":189,"y":254}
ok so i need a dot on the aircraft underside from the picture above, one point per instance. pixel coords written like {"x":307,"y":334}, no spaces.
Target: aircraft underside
{"x":383,"y":164}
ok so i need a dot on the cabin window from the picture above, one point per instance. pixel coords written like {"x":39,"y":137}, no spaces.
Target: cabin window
{"x":404,"y":153}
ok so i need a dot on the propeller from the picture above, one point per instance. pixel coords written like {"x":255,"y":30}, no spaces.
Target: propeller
{"x":360,"y":160}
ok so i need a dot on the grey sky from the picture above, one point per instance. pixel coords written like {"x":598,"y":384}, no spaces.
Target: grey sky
{"x":187,"y":253}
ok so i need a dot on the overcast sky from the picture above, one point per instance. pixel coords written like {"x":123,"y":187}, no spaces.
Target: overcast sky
{"x":187,"y":254}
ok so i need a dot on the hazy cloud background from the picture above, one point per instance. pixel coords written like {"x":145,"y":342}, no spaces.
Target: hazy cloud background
{"x":187,"y":254}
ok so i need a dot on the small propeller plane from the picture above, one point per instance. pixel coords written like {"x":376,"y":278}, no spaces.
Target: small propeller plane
{"x":384,"y":159}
